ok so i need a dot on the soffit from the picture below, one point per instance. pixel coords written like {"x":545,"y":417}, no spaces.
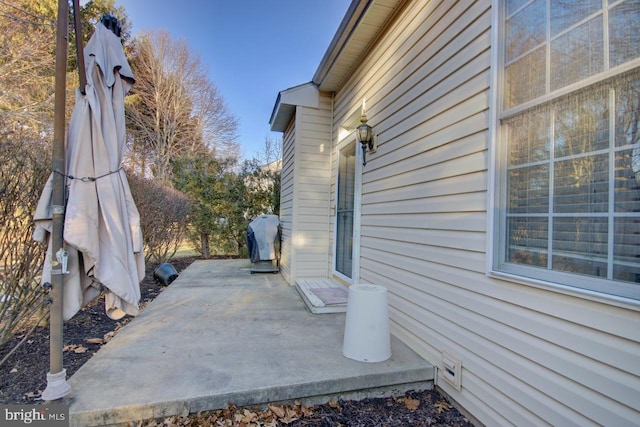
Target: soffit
{"x":364,"y":22}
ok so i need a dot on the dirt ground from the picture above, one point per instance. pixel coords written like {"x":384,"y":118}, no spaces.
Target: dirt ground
{"x":23,"y":378}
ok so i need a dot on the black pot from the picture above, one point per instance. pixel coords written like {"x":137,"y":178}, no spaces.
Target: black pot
{"x":165,"y":274}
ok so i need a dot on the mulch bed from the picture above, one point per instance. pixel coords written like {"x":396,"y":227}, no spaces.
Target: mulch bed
{"x":23,"y":378}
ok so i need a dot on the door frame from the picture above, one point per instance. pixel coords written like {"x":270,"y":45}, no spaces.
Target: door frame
{"x":357,"y":196}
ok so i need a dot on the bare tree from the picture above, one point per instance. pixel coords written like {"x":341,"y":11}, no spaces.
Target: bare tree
{"x":271,"y":151}
{"x":26,"y":68}
{"x":174,"y":109}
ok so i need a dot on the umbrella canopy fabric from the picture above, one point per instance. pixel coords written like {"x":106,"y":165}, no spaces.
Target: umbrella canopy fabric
{"x":102,"y":231}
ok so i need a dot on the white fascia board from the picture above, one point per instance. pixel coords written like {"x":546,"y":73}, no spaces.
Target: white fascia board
{"x":305,"y":95}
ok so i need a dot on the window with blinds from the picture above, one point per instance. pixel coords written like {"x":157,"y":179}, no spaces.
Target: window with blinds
{"x":570,"y":143}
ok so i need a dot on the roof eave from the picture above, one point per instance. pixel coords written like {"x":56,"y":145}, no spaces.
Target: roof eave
{"x":352,"y":40}
{"x":305,"y":95}
{"x":363,"y":23}
{"x":340,"y":39}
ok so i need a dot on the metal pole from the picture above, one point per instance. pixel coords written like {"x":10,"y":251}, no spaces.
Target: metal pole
{"x":57,"y":386}
{"x":77,"y":24}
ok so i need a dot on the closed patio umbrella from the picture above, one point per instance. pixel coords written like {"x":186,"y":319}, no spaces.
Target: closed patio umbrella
{"x":102,"y":234}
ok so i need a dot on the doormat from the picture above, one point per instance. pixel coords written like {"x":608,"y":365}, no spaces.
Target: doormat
{"x":322,"y":295}
{"x":331,"y":296}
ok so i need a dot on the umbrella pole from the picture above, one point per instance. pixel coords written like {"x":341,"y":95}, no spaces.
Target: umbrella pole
{"x":57,"y":386}
{"x":77,"y":25}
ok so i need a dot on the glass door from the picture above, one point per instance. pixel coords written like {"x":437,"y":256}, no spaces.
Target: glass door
{"x":345,"y":214}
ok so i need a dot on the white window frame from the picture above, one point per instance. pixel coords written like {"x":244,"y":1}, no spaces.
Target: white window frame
{"x":550,"y":280}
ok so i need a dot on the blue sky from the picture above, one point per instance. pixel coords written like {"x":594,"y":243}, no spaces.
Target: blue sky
{"x":252,"y":48}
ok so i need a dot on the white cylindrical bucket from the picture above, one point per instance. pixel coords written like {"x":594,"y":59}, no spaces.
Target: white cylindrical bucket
{"x":366,"y":329}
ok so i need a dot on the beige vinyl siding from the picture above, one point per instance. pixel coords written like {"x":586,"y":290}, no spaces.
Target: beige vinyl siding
{"x":529,"y":356}
{"x":286,"y":200}
{"x":312,"y":154}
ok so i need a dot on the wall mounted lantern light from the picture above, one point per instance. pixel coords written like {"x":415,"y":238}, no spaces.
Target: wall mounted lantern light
{"x":364,"y":134}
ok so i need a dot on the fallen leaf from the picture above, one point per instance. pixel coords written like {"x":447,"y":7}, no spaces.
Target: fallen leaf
{"x":107,"y":337}
{"x":80,"y":349}
{"x":248,"y":416}
{"x":306,"y":411}
{"x":94,"y":341}
{"x":13,"y":371}
{"x":278,"y":411}
{"x":290,"y":417}
{"x":442,"y":406}
{"x":411,"y":404}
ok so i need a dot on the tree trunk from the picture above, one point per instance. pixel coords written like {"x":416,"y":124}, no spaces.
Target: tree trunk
{"x":204,"y":239}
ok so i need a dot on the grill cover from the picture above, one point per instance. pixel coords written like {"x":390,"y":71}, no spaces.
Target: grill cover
{"x":263,"y":238}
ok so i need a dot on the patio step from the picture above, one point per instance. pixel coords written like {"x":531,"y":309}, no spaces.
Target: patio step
{"x":323,"y":295}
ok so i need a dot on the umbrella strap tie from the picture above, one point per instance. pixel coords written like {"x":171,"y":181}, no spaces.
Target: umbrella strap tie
{"x":88,"y":178}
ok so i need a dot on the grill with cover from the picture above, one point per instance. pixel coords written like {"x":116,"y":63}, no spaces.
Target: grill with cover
{"x":263,"y":242}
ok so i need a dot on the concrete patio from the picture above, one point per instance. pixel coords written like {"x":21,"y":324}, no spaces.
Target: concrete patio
{"x":219,"y":334}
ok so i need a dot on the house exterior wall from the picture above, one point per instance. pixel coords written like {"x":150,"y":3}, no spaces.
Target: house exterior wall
{"x":313,"y":182}
{"x":286,"y":200}
{"x":305,"y":192}
{"x":529,"y":356}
